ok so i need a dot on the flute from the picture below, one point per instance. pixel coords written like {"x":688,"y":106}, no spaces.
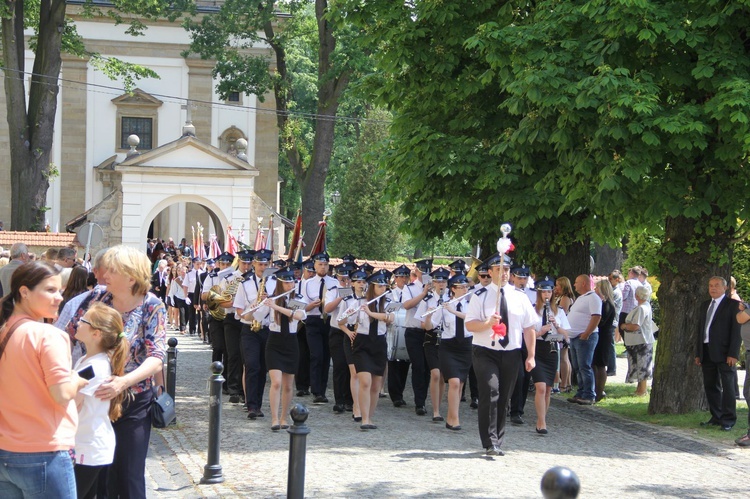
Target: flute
{"x":454,"y":300}
{"x":353,"y":311}
{"x":256,"y":306}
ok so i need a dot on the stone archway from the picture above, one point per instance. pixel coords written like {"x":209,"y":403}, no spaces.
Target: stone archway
{"x":218,"y":218}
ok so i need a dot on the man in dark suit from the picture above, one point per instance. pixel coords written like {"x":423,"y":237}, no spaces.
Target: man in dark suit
{"x":716,"y":351}
{"x":159,"y":280}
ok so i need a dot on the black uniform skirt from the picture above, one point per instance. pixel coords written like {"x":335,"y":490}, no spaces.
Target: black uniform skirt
{"x":431,"y":349}
{"x":348,"y":350}
{"x":370,"y":354}
{"x":455,"y":358}
{"x":282,"y":352}
{"x":546,"y":363}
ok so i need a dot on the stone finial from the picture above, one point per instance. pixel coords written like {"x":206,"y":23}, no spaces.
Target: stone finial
{"x":241,"y":145}
{"x":133,"y":142}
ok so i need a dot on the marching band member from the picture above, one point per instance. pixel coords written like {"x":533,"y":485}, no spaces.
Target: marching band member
{"x":358,"y":279}
{"x":520,"y":276}
{"x":496,"y":356}
{"x":369,"y":350}
{"x":409,"y":297}
{"x":302,"y":379}
{"x":455,"y":346}
{"x":341,"y":392}
{"x":433,"y":329}
{"x":551,"y":319}
{"x":216,"y":325}
{"x":414,"y":337}
{"x":254,"y":335}
{"x":232,"y":328}
{"x":317,"y":325}
{"x":282,"y":349}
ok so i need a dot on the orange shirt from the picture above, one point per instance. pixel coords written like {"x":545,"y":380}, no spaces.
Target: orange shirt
{"x":36,"y":357}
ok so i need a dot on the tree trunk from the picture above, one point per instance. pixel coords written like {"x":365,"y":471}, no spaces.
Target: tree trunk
{"x":607,"y":259}
{"x":678,"y":384}
{"x":31,"y":131}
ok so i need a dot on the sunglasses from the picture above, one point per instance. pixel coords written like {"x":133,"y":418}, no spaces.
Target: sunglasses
{"x":85,"y":321}
{"x":484,"y":276}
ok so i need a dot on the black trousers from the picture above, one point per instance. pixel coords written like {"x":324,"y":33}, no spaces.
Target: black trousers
{"x":342,"y":393}
{"x":496,"y":371}
{"x":718,"y":382}
{"x":126,"y":475}
{"x":398,"y":371}
{"x":86,"y":479}
{"x":521,"y":389}
{"x":420,"y":375}
{"x":254,"y":358}
{"x":302,"y":378}
{"x":232,"y":329}
{"x":182,"y":309}
{"x":320,"y":356}
{"x":191,"y":316}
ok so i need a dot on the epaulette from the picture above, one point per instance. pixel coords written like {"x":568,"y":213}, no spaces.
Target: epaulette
{"x":483,"y":290}
{"x":213,"y":273}
{"x":348,"y":297}
{"x":410,"y":284}
{"x":247,"y":275}
{"x":427,"y":297}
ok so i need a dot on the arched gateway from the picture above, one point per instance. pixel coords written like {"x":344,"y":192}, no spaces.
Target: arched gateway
{"x":183,"y":172}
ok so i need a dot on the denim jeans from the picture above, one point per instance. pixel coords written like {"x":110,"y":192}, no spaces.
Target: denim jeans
{"x":42,"y":474}
{"x":583,"y":355}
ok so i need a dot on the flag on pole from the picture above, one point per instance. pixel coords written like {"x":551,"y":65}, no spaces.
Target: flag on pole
{"x":201,"y":249}
{"x":294,"y":244}
{"x":259,"y":241}
{"x":269,"y":237}
{"x":320,"y":245}
{"x":231,"y":245}
{"x":215,"y":249}
{"x":194,"y":241}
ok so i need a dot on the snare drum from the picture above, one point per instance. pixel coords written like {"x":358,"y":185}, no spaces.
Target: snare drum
{"x":395,"y":336}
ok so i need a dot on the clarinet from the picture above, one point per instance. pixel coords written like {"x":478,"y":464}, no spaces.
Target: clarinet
{"x":550,"y":317}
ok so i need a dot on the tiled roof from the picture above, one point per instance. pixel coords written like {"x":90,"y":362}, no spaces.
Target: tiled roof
{"x":48,"y":239}
{"x":378,"y":264}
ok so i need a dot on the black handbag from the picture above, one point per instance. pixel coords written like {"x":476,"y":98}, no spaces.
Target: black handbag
{"x":162,"y":409}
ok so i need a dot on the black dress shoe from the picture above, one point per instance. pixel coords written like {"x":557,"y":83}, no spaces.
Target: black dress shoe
{"x":542,"y":431}
{"x":727,"y":427}
{"x":302,"y":393}
{"x":251,"y":414}
{"x":260,"y":413}
{"x":710,"y":422}
{"x":357,"y":419}
{"x":275,"y":427}
{"x":494,"y":451}
{"x":516,"y":420}
{"x":454,"y":428}
{"x":348,"y":407}
{"x":320,"y":399}
{"x":474,"y":403}
{"x":338,"y":409}
{"x":421,"y":411}
{"x":234,"y":399}
{"x":437,"y":419}
{"x":399,"y":403}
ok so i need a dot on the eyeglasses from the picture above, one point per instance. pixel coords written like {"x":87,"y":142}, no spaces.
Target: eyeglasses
{"x":85,"y":321}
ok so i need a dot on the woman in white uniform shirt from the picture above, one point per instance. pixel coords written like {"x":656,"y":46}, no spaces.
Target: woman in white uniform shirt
{"x":370,"y":349}
{"x":282,"y":349}
{"x":455,"y":346}
{"x":359,"y":285}
{"x":551,"y":320}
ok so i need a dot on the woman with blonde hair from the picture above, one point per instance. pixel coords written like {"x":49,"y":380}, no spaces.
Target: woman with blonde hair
{"x":606,"y":337}
{"x":101,"y":331}
{"x":127,"y":279}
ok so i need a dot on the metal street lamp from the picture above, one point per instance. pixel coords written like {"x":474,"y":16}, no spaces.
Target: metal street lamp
{"x":335,"y":197}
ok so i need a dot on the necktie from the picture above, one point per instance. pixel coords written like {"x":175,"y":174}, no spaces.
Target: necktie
{"x":320,"y":293}
{"x":284,"y":324}
{"x":709,"y":317}
{"x":504,"y":313}
{"x":544,"y":321}
{"x":374,"y":325}
{"x":459,"y":324}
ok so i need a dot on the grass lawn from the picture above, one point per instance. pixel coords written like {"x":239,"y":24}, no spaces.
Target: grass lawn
{"x":621,"y":401}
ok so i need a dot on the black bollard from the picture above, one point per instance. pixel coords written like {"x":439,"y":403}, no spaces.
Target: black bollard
{"x":560,"y":483}
{"x":295,"y":485}
{"x":212,"y":470}
{"x":172,"y":370}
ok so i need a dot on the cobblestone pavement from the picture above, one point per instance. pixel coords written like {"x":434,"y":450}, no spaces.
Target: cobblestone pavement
{"x":411,"y":456}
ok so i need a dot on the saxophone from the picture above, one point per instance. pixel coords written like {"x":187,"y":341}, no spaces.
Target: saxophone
{"x":256,"y":325}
